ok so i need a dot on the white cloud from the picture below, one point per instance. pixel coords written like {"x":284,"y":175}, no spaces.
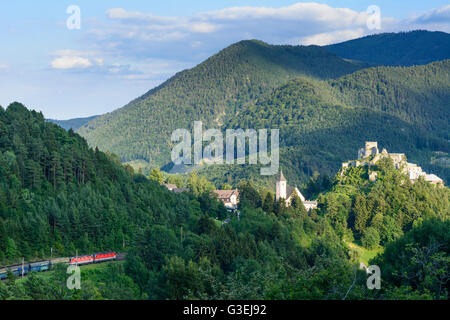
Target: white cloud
{"x":3,"y":66}
{"x":140,"y":35}
{"x":439,"y":15}
{"x":301,"y":12}
{"x":140,"y":38}
{"x":437,"y":19}
{"x":135,"y":24}
{"x":70,"y":62}
{"x":73,"y":59}
{"x":134,"y":21}
{"x":322,"y":39}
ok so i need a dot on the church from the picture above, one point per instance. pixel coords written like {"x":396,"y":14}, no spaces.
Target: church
{"x":284,"y":191}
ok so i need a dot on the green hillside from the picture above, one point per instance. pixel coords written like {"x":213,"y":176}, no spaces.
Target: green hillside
{"x":396,"y":49}
{"x":214,"y":91}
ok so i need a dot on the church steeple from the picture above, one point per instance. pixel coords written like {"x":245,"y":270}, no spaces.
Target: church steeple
{"x":281,"y":187}
{"x":282,"y":178}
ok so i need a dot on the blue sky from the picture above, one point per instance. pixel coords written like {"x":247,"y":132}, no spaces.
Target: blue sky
{"x":125,"y":48}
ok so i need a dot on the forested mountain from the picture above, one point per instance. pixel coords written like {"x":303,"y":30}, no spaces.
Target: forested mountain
{"x":214,"y":91}
{"x":396,"y":49}
{"x":73,"y":124}
{"x":324,"y":118}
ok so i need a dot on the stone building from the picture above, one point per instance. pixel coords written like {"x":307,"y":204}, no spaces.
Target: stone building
{"x":371,"y":149}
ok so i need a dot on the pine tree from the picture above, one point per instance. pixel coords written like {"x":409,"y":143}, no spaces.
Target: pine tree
{"x":268,"y":203}
{"x":361,"y":213}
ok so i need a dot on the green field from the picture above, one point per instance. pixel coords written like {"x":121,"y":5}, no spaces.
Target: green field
{"x":365,"y":255}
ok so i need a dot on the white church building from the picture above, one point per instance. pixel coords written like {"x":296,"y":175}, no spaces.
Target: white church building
{"x":284,"y":191}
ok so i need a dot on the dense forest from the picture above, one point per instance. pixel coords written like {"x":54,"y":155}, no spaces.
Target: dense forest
{"x":56,"y":192}
{"x":396,"y":49}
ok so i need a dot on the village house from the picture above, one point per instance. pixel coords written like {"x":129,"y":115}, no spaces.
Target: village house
{"x":284,"y":191}
{"x":230,"y":198}
{"x":169,"y":186}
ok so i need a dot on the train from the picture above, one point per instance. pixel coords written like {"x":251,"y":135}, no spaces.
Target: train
{"x":93,"y":258}
{"x":46,"y":265}
{"x":29,"y":267}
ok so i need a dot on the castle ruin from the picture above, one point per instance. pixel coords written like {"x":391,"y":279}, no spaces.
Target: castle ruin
{"x":370,"y":155}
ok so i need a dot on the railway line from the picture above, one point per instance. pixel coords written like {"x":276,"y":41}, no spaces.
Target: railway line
{"x":21,"y":270}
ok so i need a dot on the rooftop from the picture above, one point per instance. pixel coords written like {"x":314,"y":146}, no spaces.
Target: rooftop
{"x":226,"y":194}
{"x":170,"y":186}
{"x":432,"y":178}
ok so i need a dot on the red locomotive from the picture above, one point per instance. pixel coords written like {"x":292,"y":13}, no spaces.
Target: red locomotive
{"x":93,"y":258}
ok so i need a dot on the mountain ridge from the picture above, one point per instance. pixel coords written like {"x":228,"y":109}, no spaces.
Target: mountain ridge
{"x":396,"y":49}
{"x":74,"y":123}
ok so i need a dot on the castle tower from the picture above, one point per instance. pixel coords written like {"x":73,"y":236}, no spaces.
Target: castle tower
{"x":371,"y":148}
{"x":281,"y":187}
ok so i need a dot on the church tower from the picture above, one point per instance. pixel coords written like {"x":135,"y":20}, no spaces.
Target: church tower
{"x":281,"y":187}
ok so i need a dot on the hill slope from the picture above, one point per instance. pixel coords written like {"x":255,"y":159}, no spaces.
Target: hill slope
{"x":214,"y":91}
{"x":396,"y":49}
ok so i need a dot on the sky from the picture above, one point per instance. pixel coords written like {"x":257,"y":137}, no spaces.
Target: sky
{"x":73,"y":59}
